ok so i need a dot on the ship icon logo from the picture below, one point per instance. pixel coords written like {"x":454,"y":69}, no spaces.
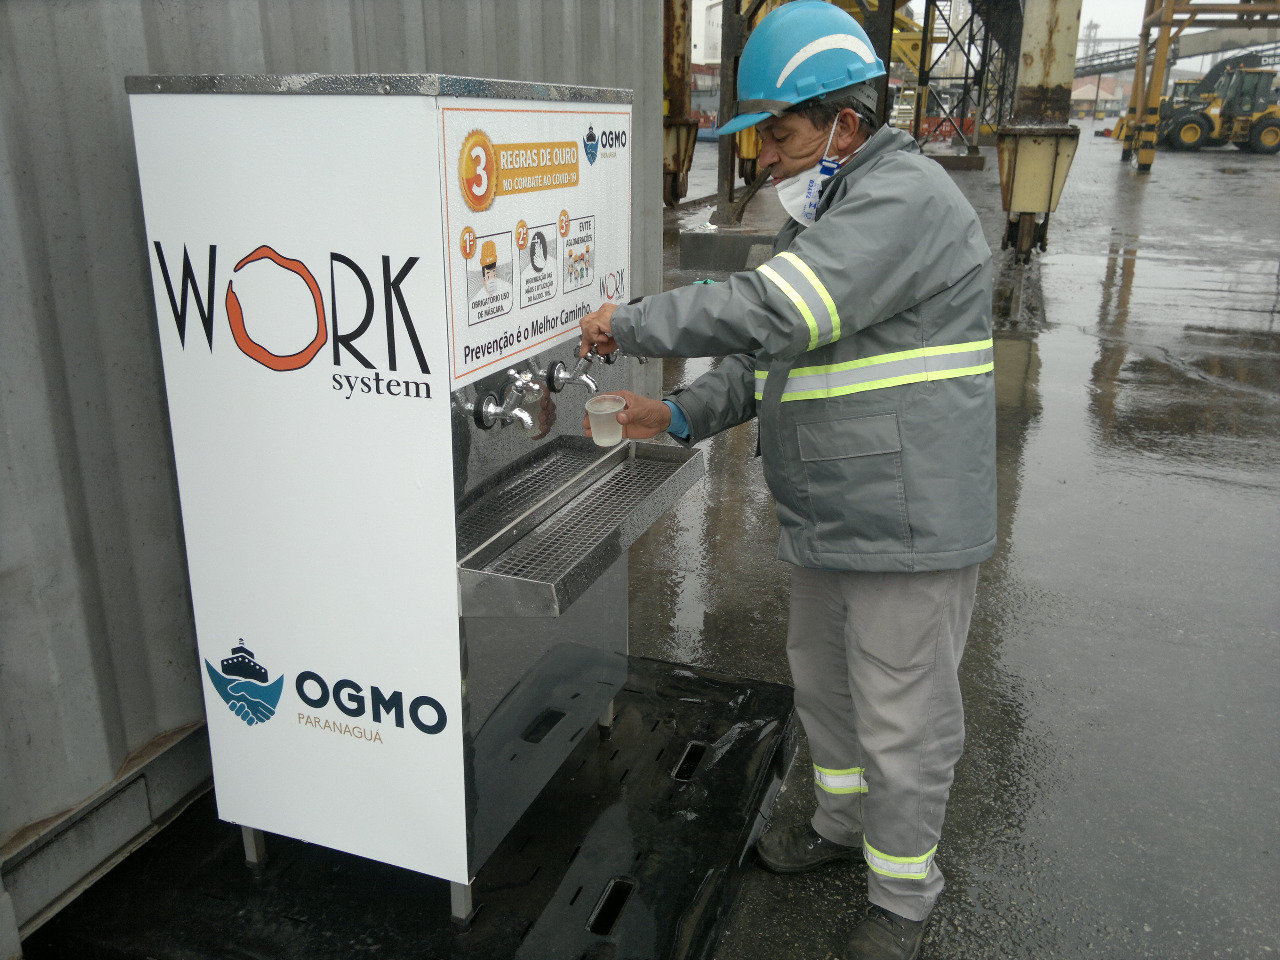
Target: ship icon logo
{"x":590,"y":144}
{"x":242,"y":684}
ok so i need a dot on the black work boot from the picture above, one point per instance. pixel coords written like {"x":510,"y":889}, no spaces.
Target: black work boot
{"x":885,"y":936}
{"x":800,"y":848}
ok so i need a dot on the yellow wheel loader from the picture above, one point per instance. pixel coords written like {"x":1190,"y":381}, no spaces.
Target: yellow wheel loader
{"x":1241,"y":111}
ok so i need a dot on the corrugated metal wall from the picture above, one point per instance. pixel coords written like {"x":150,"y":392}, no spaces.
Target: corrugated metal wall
{"x":97,"y":654}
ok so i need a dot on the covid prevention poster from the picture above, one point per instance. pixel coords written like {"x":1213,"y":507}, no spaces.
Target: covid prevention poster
{"x":297,"y":259}
{"x":537,"y":223}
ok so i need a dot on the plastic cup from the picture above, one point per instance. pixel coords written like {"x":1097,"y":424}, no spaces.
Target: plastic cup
{"x":602,"y":415}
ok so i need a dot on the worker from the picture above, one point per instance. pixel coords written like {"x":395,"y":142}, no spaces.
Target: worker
{"x":863,"y":347}
{"x":488,"y":264}
{"x":493,"y":297}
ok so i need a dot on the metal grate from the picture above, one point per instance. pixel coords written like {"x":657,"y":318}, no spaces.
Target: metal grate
{"x":553,"y":548}
{"x":503,"y":505}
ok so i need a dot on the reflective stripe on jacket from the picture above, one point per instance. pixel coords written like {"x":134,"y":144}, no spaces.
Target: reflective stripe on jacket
{"x":888,"y":370}
{"x":864,"y":347}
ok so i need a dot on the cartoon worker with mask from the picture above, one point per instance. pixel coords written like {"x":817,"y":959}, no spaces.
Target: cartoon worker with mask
{"x":864,"y":348}
{"x":494,"y":296}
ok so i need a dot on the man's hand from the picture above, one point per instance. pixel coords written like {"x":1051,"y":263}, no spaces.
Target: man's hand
{"x":597,"y":332}
{"x":641,"y":418}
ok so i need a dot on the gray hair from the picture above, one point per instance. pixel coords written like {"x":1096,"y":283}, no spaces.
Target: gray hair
{"x":860,"y":98}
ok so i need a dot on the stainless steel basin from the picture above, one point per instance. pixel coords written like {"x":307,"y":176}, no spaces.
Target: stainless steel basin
{"x":532,"y":539}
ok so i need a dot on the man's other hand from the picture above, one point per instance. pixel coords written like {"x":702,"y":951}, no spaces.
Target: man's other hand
{"x":597,"y":332}
{"x":641,"y":418}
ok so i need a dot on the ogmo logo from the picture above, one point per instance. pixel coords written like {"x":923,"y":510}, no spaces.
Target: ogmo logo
{"x":242,"y":684}
{"x":425,"y":713}
{"x":613,"y":140}
{"x":606,"y":143}
{"x":249,"y":693}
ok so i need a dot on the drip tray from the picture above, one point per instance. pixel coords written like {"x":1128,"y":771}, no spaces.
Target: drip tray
{"x":533,"y":538}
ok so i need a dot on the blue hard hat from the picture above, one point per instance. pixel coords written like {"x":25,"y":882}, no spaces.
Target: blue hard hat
{"x":802,"y":50}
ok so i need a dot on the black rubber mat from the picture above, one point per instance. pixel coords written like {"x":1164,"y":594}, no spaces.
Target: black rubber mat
{"x":631,"y":852}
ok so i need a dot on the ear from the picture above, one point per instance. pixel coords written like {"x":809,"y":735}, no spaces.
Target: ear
{"x":848,"y":131}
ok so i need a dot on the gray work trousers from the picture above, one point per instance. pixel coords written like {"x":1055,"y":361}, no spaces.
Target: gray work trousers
{"x":874,"y":659}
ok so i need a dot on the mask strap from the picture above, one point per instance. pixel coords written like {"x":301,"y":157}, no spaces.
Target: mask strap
{"x":829,"y":165}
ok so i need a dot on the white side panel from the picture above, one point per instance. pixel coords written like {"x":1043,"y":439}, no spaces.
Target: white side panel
{"x":313,"y":453}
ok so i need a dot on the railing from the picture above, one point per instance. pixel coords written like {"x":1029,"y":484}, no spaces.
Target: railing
{"x":1118,"y":59}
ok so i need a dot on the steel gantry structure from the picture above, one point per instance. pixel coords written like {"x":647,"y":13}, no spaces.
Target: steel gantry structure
{"x":1169,"y":18}
{"x":965,"y":70}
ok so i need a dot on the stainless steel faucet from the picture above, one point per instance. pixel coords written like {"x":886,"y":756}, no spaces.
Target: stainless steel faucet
{"x":519,"y":390}
{"x":559,"y":376}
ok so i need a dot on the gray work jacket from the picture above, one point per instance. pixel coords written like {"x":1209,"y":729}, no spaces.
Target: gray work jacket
{"x":864,"y":347}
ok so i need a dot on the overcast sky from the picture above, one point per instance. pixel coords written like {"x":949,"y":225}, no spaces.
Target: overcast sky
{"x":1115,"y":18}
{"x":1122,"y":19}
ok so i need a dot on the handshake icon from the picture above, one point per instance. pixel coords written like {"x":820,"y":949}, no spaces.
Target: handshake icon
{"x":252,"y":702}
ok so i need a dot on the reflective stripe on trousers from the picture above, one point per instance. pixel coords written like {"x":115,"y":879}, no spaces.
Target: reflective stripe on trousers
{"x":840,"y":781}
{"x":885,"y":370}
{"x":906,"y":868}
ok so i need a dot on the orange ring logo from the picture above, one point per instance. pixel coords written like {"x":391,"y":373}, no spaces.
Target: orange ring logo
{"x":256,"y":351}
{"x":478,"y":171}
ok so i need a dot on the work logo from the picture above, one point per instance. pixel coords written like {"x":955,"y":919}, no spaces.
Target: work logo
{"x":242,"y":684}
{"x":590,"y":145}
{"x":613,"y":286}
{"x":261,"y":332}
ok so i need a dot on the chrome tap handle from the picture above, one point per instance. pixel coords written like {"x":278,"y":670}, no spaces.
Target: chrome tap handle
{"x":619,"y":354}
{"x":489,"y":412}
{"x":520,"y":389}
{"x":524,"y":388}
{"x":559,"y":376}
{"x":525,"y":418}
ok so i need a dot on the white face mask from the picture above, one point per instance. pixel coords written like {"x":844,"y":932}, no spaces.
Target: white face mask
{"x":799,"y":194}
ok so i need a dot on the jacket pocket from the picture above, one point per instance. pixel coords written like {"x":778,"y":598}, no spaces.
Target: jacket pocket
{"x":853,"y":474}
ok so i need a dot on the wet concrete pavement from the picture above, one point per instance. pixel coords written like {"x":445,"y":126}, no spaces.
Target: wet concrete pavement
{"x":1120,"y":790}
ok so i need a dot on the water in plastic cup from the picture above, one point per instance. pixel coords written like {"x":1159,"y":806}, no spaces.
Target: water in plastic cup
{"x":602,"y":415}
